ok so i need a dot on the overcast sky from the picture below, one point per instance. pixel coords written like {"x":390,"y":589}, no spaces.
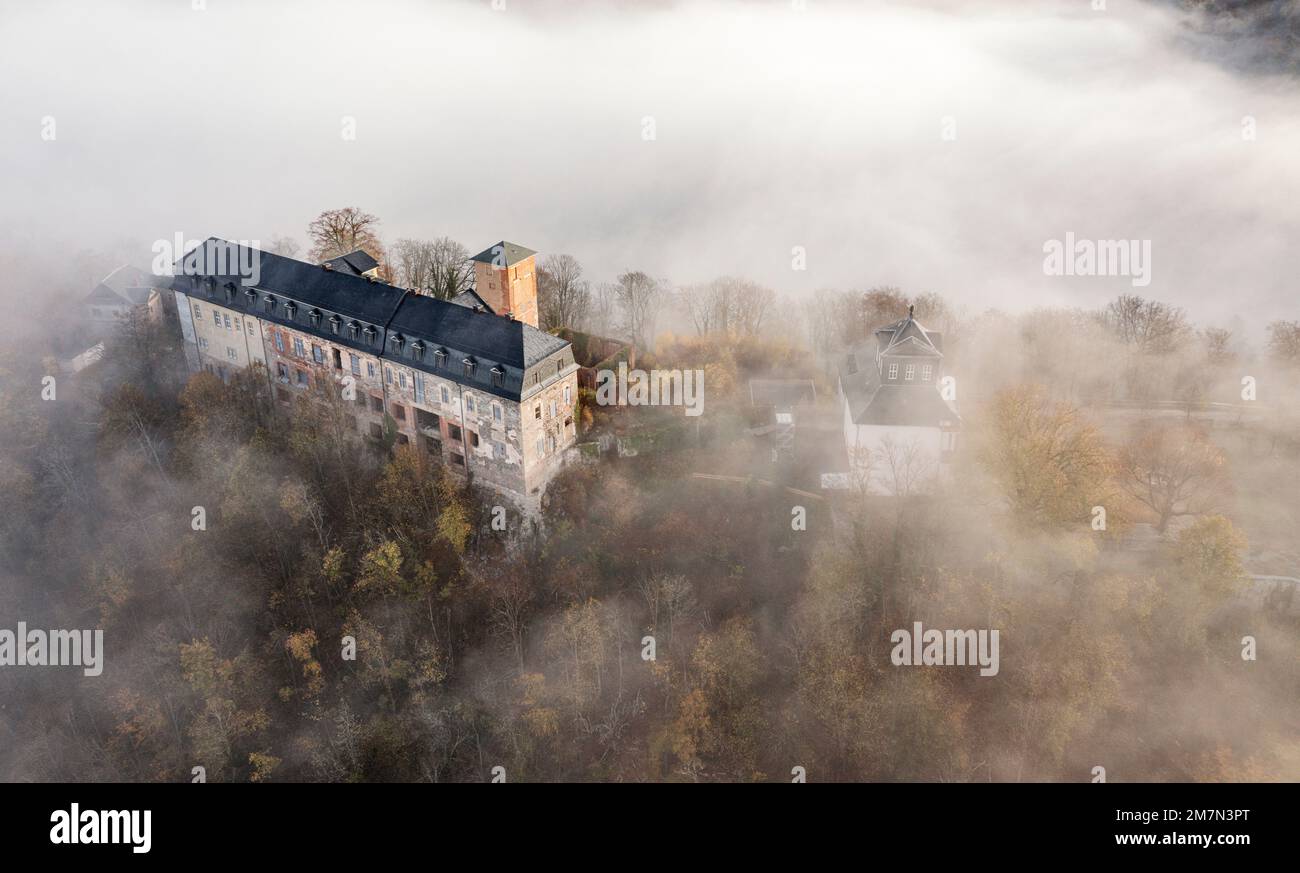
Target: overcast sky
{"x":773,"y":128}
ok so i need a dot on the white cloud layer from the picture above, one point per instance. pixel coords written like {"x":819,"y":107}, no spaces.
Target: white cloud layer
{"x":774,"y":128}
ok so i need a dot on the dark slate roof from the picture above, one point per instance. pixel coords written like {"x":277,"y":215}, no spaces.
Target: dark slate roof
{"x":915,"y":405}
{"x":871,"y":401}
{"x":395,"y":314}
{"x":471,"y":299}
{"x":370,"y":301}
{"x":490,"y":341}
{"x":358,"y":262}
{"x":512,"y":254}
{"x":923,"y":340}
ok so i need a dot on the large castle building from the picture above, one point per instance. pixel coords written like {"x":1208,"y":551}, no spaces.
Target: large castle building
{"x":471,"y":381}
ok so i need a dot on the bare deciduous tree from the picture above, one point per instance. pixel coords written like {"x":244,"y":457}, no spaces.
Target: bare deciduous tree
{"x":342,"y":231}
{"x":1218,"y":344}
{"x":439,"y":268}
{"x":1174,"y":469}
{"x":1284,"y":340}
{"x":669,"y":598}
{"x":640,"y":297}
{"x":604,"y":308}
{"x":1149,"y":325}
{"x":284,"y":245}
{"x":563,"y":294}
{"x":728,"y":305}
{"x":904,"y":465}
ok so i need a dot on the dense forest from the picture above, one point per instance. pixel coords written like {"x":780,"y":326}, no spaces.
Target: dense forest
{"x":231,"y":554}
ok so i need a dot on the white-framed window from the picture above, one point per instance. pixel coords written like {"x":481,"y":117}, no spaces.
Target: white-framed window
{"x":552,"y":409}
{"x":227,"y":320}
{"x":893,"y":371}
{"x":197,"y":313}
{"x":216,"y":318}
{"x":370,"y":369}
{"x":497,"y":414}
{"x":927,"y":371}
{"x":231,"y":353}
{"x":298,"y":348}
{"x":909,"y":373}
{"x":568,"y":398}
{"x":469,"y":402}
{"x":446,"y":395}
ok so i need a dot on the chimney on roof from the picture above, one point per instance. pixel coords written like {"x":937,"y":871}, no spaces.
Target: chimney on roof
{"x":911,"y":307}
{"x":327,"y":265}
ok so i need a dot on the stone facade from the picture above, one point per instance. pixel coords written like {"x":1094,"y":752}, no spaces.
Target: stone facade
{"x":504,"y":415}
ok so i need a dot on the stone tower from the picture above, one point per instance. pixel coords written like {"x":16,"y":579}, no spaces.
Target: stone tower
{"x":505,"y":276}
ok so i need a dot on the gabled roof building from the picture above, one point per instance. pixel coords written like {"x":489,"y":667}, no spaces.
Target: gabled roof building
{"x":900,"y":415}
{"x":125,"y":289}
{"x":485,"y":393}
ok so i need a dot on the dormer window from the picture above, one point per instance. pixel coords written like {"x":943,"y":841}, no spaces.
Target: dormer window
{"x":498,"y":376}
{"x":230,"y":292}
{"x":398,"y":341}
{"x":370,"y":333}
{"x":335,"y":324}
{"x":354,"y":327}
{"x":209,"y":286}
{"x":314,"y":316}
{"x":440,"y":357}
{"x":251,"y":295}
{"x":290,"y":309}
{"x":269,"y":302}
{"x":470,"y":364}
{"x":417,"y":350}
{"x":893,"y":372}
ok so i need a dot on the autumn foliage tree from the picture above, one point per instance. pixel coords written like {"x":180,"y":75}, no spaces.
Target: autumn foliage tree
{"x":1174,"y":470}
{"x":1050,"y":463}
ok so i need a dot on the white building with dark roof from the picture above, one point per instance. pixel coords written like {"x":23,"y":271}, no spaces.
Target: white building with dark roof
{"x":900,"y":419}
